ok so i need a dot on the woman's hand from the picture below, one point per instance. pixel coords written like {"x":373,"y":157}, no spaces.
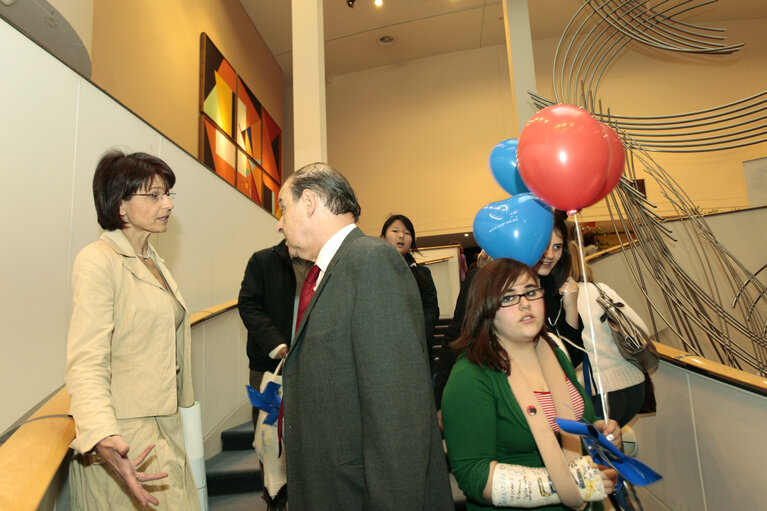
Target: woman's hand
{"x":612,"y":431}
{"x":569,"y":292}
{"x":114,"y":451}
{"x":609,"y":478}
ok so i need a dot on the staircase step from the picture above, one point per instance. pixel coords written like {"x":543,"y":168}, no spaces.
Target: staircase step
{"x":250,"y":501}
{"x":233,"y":472}
{"x":238,"y":437}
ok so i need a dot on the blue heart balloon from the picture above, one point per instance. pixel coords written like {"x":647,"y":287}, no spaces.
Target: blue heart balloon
{"x":518,"y":227}
{"x":503,"y":165}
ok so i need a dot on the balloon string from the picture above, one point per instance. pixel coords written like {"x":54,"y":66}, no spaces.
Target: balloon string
{"x":595,"y":365}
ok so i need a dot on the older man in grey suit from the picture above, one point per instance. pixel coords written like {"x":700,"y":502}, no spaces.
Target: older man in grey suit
{"x":360,"y":424}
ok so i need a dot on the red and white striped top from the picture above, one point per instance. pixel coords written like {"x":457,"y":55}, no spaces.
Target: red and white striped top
{"x":547,"y":404}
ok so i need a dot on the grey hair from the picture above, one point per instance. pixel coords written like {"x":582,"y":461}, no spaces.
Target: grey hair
{"x":330,"y":185}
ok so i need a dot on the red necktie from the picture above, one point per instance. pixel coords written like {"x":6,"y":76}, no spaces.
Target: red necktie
{"x":307,"y":291}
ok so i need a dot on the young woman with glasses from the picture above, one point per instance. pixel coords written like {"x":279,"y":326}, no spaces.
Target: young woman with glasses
{"x":509,"y":383}
{"x":128,"y":349}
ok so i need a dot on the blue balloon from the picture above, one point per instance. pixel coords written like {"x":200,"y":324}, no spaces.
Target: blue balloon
{"x":503,"y":165}
{"x":518,"y":227}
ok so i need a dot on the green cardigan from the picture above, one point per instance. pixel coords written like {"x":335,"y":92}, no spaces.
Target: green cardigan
{"x":484,"y":423}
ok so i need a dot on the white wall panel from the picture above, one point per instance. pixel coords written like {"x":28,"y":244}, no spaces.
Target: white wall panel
{"x":37,"y":123}
{"x":102,"y":124}
{"x":224,"y":391}
{"x":187,"y":245}
{"x":56,"y":126}
{"x":667,"y":443}
{"x":729,"y":424}
{"x":446,"y":275}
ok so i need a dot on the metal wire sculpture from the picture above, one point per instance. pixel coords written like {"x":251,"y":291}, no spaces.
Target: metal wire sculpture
{"x":721,"y":313}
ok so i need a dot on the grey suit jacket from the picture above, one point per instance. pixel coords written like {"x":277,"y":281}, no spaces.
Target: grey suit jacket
{"x":360,"y":422}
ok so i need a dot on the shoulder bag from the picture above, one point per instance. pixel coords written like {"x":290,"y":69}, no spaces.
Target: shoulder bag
{"x":632,"y":342}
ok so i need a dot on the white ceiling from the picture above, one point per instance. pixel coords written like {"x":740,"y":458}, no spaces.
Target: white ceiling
{"x":423,"y":28}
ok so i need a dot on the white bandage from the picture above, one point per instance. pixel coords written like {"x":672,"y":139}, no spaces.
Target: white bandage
{"x":588,"y":479}
{"x":526,"y":487}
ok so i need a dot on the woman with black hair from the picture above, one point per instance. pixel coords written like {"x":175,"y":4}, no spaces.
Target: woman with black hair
{"x":560,"y":291}
{"x":399,"y":231}
{"x":129,"y":349}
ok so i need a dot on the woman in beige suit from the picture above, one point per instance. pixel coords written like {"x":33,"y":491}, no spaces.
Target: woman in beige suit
{"x":128,"y":349}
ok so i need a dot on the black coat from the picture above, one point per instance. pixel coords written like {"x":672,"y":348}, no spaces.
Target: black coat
{"x":266,"y":300}
{"x":428,"y":292}
{"x":556,"y":322}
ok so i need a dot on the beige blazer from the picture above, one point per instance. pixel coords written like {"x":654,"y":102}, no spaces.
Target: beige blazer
{"x":121,"y":347}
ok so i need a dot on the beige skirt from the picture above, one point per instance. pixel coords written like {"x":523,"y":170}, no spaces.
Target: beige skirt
{"x":95,"y":485}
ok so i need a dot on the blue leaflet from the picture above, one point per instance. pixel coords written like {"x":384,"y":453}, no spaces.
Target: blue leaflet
{"x":269,"y":401}
{"x":605,"y":453}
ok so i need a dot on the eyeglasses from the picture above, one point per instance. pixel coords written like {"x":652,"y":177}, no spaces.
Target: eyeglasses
{"x":531,"y":295}
{"x":157,"y":196}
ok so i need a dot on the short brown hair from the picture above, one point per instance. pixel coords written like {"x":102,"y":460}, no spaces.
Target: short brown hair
{"x":478,"y":339}
{"x":118,"y":176}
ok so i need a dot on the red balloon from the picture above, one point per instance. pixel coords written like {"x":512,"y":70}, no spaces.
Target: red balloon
{"x":616,"y":160}
{"x":563,"y":156}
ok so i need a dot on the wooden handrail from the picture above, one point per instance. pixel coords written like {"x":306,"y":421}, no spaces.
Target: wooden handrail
{"x":31,"y":456}
{"x":698,"y":364}
{"x":204,"y":315}
{"x":435,"y":260}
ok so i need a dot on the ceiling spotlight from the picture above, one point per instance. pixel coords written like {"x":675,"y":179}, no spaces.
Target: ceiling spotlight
{"x":350,"y":3}
{"x":378,"y":3}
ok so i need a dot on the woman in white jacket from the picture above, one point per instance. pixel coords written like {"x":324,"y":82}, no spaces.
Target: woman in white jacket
{"x":622,"y":381}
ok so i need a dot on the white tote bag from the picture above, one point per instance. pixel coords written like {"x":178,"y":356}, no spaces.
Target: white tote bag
{"x":266,"y":441}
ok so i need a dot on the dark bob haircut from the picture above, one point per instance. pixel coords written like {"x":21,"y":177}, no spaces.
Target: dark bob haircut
{"x":478,"y":338}
{"x":330,"y":185}
{"x":118,"y":176}
{"x":408,"y":225}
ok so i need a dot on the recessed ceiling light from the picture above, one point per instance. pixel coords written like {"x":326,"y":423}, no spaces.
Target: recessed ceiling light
{"x":386,"y":39}
{"x":378,"y":3}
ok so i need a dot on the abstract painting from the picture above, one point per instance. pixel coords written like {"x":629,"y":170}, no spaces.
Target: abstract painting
{"x":219,"y":83}
{"x":218,"y":152}
{"x":239,"y":140}
{"x":248,"y":121}
{"x":272,"y":148}
{"x":248,"y":177}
